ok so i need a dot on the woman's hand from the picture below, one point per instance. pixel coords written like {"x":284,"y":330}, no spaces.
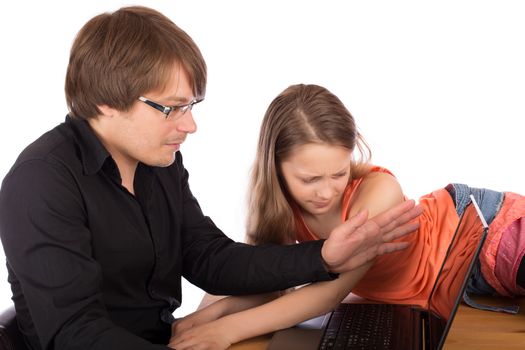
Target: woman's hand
{"x":197,"y":318}
{"x":214,"y":335}
{"x":359,"y":239}
{"x":220,"y":323}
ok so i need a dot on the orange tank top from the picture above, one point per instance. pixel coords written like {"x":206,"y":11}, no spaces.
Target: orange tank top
{"x":404,"y":277}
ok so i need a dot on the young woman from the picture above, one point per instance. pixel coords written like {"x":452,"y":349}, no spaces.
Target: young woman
{"x":311,"y":172}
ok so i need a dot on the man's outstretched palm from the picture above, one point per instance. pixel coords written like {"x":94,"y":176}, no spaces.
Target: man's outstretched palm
{"x":359,"y":239}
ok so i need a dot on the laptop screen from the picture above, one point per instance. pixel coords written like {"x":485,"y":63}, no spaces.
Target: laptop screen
{"x":451,"y":281}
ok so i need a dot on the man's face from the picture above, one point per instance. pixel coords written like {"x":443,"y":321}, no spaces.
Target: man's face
{"x":144,"y":134}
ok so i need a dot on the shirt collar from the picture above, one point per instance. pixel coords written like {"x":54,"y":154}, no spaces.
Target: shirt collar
{"x":93,"y":154}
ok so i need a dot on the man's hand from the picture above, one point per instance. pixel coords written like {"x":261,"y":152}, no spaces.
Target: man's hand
{"x":359,"y":239}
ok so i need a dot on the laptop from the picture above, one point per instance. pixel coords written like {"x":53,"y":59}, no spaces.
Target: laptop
{"x":390,"y":326}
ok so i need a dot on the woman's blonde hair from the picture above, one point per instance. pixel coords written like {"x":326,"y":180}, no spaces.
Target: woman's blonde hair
{"x":301,"y":114}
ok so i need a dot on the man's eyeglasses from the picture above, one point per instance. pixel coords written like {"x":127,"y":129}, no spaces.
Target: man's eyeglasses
{"x":171,"y":111}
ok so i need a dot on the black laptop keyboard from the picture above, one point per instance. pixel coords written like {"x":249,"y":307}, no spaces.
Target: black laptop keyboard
{"x":359,"y":326}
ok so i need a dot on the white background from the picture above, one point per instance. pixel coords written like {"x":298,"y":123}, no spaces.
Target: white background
{"x":437,"y":88}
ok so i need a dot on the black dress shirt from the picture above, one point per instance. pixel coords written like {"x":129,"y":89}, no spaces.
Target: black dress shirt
{"x":92,"y":266}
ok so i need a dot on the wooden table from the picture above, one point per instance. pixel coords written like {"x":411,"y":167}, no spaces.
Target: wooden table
{"x":472,"y":328}
{"x":478,"y":329}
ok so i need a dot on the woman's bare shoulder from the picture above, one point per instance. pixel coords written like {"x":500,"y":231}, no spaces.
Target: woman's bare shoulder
{"x":378,"y":192}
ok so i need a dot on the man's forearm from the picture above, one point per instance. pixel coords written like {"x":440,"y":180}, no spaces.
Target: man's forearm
{"x":241,"y":269}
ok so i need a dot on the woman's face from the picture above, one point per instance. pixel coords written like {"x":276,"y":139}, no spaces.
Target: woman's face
{"x":316,"y":176}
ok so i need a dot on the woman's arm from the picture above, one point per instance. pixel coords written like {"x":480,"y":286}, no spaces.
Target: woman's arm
{"x":378,"y":193}
{"x":222,"y":307}
{"x":292,"y":308}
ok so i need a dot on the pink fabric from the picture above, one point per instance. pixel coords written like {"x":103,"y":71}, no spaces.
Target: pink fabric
{"x":513,"y":209}
{"x":510,"y":252}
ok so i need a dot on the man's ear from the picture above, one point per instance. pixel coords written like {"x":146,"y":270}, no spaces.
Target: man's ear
{"x":106,"y":111}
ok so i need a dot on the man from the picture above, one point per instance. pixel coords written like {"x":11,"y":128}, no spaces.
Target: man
{"x":96,"y":216}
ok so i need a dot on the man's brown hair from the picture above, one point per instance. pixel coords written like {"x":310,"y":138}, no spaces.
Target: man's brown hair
{"x":116,"y":57}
